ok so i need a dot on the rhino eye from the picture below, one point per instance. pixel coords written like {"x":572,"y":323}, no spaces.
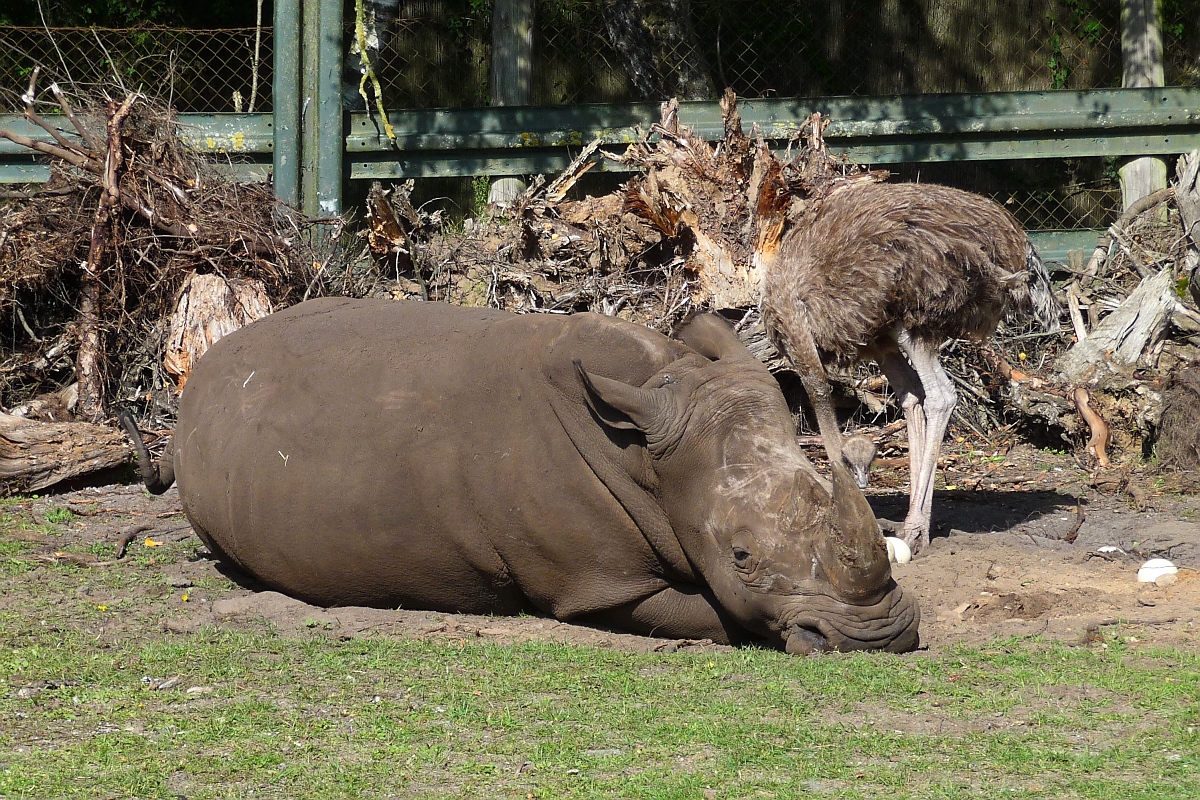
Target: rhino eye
{"x":740,"y":556}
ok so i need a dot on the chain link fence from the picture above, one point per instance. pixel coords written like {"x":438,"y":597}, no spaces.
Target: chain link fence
{"x":193,"y":70}
{"x":437,"y":54}
{"x":439,"y":57}
{"x":439,"y":51}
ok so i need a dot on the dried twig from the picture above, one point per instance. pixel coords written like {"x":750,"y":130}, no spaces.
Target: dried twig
{"x":122,"y":542}
{"x":92,"y":143}
{"x":1073,"y":531}
{"x":1104,"y":245}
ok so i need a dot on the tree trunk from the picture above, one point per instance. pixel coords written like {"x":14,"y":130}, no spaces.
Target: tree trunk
{"x":1142,"y":62}
{"x":1120,"y":339}
{"x":629,"y":34}
{"x":208,"y":308}
{"x":692,"y":81}
{"x":512,"y":74}
{"x":624,"y":22}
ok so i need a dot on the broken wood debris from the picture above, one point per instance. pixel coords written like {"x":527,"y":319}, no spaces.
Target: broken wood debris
{"x":691,"y":230}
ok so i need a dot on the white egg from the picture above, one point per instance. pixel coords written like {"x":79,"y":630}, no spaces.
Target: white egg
{"x":898,"y":551}
{"x":1155,"y":568}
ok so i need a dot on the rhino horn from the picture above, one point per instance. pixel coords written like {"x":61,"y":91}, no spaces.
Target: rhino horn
{"x":853,"y":554}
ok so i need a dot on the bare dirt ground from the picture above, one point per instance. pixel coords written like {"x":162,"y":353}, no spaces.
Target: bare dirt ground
{"x":1000,"y":564}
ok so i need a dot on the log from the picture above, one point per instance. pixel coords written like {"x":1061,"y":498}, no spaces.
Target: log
{"x":34,"y":455}
{"x":1116,"y":344}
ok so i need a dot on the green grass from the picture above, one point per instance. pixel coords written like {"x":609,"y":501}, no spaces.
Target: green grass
{"x":310,"y":716}
{"x":375,"y":717}
{"x":59,"y":515}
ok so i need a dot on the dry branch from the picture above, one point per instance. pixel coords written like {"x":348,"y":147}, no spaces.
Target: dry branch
{"x":1097,"y":445}
{"x":89,"y":363}
{"x":1105,"y":244}
{"x":89,"y":287}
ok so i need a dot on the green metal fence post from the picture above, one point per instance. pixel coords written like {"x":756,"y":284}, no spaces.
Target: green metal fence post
{"x":286,"y":104}
{"x":321,"y":141}
{"x":331,"y":133}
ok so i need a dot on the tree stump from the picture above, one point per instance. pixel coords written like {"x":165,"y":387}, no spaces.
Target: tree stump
{"x":209,"y":307}
{"x":1117,"y":343}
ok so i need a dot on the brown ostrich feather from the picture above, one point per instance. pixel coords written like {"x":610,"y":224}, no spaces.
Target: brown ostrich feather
{"x":938,"y":261}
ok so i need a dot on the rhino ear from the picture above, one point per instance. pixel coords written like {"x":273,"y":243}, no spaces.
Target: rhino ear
{"x":712,"y":337}
{"x":619,"y":405}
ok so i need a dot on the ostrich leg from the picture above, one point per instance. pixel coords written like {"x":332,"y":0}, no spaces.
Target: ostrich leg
{"x":910,"y":394}
{"x":937,"y":406}
{"x":802,"y":351}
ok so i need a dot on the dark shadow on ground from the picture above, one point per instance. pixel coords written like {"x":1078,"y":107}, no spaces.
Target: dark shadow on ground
{"x":231,"y":571}
{"x":981,"y":511}
{"x":123,"y":474}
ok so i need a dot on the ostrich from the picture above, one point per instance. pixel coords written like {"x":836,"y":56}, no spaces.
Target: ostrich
{"x":889,"y":272}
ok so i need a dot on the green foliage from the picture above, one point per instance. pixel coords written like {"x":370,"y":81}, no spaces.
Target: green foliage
{"x":129,"y":13}
{"x":1174,"y":12}
{"x":469,"y":19}
{"x":480,"y":186}
{"x":59,"y":515}
{"x":1059,"y":72}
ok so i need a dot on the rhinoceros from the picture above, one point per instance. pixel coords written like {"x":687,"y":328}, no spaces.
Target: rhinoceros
{"x":427,"y":456}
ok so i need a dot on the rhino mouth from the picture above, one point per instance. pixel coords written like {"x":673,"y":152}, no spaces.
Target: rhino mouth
{"x":826,"y":623}
{"x":805,"y":640}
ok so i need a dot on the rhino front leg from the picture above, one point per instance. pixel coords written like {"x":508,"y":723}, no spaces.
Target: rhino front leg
{"x":684,"y":612}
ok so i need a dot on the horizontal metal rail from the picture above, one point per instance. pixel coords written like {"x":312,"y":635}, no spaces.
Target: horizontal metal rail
{"x":867,"y":130}
{"x":241,"y":143}
{"x":1057,"y":245}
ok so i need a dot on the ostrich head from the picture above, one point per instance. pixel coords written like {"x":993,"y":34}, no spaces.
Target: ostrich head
{"x":858,"y":452}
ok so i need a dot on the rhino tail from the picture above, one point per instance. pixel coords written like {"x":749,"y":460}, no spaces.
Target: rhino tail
{"x":158,"y":476}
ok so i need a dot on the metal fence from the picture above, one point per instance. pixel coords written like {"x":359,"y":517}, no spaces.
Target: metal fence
{"x":438,"y":53}
{"x":193,"y":70}
{"x":440,"y":50}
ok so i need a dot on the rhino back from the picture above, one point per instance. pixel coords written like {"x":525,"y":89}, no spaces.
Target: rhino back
{"x":378,"y":453}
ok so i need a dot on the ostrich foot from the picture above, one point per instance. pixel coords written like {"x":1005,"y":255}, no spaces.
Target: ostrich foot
{"x":916,"y":535}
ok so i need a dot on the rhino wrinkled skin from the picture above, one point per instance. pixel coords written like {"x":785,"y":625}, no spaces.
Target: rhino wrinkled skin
{"x":426,"y":456}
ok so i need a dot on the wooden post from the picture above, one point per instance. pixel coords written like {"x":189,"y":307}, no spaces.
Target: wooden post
{"x":512,"y":74}
{"x":1142,"y":61}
